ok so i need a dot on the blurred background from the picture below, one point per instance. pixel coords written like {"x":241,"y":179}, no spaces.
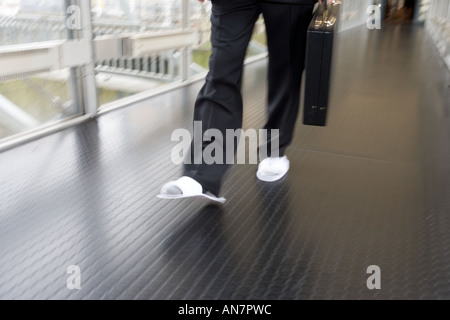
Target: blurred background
{"x":123,"y":34}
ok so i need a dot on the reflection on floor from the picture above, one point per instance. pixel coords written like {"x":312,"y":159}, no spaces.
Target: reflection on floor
{"x":369,"y":189}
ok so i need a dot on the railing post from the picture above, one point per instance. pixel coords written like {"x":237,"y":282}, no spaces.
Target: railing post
{"x":88,"y":71}
{"x":185,"y":52}
{"x":75,"y":86}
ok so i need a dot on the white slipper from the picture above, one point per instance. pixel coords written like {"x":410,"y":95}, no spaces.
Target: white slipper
{"x":186,"y":187}
{"x":273,"y":169}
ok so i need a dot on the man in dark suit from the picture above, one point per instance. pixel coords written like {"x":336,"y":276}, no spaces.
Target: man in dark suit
{"x":219,"y":103}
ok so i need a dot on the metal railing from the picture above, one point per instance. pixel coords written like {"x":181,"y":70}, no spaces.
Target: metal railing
{"x":151,"y":43}
{"x":148,"y":53}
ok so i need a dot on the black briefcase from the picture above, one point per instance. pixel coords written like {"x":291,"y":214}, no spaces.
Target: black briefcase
{"x":319,"y":56}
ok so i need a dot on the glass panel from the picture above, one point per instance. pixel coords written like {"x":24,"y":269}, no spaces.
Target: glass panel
{"x":422,"y":10}
{"x":200,"y":20}
{"x":258,"y":44}
{"x":25,"y":21}
{"x":29,"y":102}
{"x":353,"y":13}
{"x":132,"y":75}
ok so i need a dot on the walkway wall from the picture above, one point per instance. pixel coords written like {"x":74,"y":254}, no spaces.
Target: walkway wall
{"x":438,"y":26}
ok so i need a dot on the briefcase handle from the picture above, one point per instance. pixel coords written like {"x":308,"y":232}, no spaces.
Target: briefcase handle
{"x":326,"y":18}
{"x":325,"y":3}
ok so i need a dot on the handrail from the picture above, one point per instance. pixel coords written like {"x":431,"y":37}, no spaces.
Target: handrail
{"x":25,"y":59}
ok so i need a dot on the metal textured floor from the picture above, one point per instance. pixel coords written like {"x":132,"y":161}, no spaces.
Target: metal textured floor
{"x":372,"y":188}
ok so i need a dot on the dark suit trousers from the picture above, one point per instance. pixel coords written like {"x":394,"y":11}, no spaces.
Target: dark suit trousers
{"x":219,"y":104}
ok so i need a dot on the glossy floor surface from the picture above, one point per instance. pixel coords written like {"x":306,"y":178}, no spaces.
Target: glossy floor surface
{"x":372,"y":188}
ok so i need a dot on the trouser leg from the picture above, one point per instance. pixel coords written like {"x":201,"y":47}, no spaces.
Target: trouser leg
{"x":286,"y":27}
{"x":219,"y":103}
